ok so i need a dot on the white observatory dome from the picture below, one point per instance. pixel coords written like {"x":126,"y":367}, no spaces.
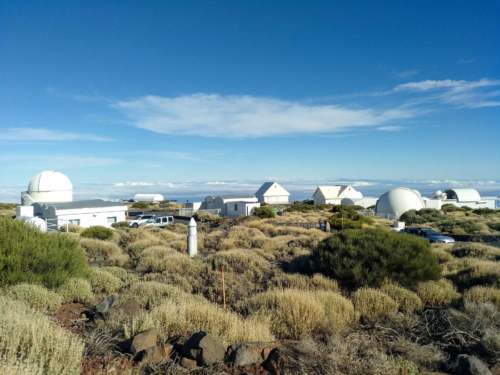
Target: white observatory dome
{"x":48,"y":187}
{"x":396,"y":202}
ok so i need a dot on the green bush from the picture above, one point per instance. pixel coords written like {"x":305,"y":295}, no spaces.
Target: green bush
{"x":494,"y":226}
{"x":452,"y":208}
{"x":366,"y":257}
{"x":305,"y":206}
{"x":347,"y":217}
{"x":140,"y":205}
{"x":120,"y":225}
{"x":426,"y":215}
{"x":98,"y":233}
{"x":30,"y":256}
{"x":484,"y":211}
{"x":264,"y":212}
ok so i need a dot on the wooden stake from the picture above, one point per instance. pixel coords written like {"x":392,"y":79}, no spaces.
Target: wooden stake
{"x":223,"y":288}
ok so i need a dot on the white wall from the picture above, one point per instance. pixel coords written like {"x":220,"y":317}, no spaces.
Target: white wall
{"x":278,"y":199}
{"x":236,"y":209}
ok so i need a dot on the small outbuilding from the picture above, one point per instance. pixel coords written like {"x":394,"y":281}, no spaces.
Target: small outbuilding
{"x":335,"y":193}
{"x":240,"y":208}
{"x":465,"y":198}
{"x":220,"y":203}
{"x":272,"y":193}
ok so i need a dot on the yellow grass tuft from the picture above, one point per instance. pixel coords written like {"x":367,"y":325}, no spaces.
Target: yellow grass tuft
{"x":36,"y":296}
{"x":76,"y":290}
{"x":104,"y":282}
{"x":30,"y":341}
{"x":408,"y":301}
{"x":183,"y":317}
{"x":482,"y":294}
{"x":437,"y":293}
{"x":374,"y":304}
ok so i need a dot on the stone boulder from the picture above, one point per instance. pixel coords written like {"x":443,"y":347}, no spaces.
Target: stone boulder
{"x":245,"y":354}
{"x":204,"y":348}
{"x":144,"y":340}
{"x":104,"y":307}
{"x":470,"y":365}
{"x":275,"y":362}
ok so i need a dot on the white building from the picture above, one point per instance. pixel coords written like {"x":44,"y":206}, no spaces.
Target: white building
{"x":335,"y":193}
{"x":153,"y":198}
{"x":50,"y":197}
{"x":396,"y":202}
{"x":465,"y":197}
{"x":272,"y":193}
{"x":239,"y":208}
{"x":219,"y":203}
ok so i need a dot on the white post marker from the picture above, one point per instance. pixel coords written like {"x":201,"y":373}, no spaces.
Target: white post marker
{"x":192,"y":238}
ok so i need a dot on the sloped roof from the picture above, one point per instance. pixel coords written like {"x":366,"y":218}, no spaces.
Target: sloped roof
{"x":330,"y":192}
{"x":266,"y":187}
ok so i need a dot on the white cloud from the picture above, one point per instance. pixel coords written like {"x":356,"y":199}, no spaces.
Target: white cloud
{"x":390,"y":128}
{"x":469,"y":94}
{"x":41,"y":134}
{"x":212,"y":115}
{"x":58,"y":161}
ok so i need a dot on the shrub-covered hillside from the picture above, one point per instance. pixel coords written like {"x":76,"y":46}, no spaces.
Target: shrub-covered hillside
{"x":265,"y":296}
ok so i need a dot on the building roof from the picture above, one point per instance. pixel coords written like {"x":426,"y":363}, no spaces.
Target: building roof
{"x":49,"y":181}
{"x":337,"y":191}
{"x":93,"y":203}
{"x":463,"y":195}
{"x":271,"y":188}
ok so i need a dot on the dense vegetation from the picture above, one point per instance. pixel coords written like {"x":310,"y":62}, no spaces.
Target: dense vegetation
{"x":366,"y":258}
{"x":348,"y":217}
{"x":264,"y":212}
{"x":98,"y":232}
{"x":27,"y":255}
{"x":398,"y":316}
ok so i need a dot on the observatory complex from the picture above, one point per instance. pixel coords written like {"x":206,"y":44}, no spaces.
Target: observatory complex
{"x":50,"y":198}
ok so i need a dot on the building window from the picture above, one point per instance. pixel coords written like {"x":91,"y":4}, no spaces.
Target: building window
{"x":111,"y":220}
{"x":74,"y":221}
{"x":236,"y":207}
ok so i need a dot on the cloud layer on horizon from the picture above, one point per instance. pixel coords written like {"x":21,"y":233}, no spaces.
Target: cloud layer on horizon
{"x":41,"y":134}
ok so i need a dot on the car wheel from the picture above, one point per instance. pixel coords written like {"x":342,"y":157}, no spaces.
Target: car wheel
{"x":135,"y":225}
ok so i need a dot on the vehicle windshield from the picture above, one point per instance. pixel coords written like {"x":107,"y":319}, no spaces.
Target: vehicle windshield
{"x":428,"y":231}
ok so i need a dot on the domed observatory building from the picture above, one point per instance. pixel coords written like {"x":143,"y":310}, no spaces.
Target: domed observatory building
{"x":50,"y":197}
{"x":48,"y":186}
{"x":396,"y":202}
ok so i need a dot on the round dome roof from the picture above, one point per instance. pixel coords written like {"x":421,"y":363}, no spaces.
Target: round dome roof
{"x":49,"y":181}
{"x":396,"y":202}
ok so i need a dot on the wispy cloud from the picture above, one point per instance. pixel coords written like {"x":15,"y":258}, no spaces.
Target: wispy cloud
{"x":466,"y":61}
{"x":460,"y":93}
{"x":213,"y":115}
{"x":390,"y":128}
{"x":41,"y":134}
{"x":62,"y":161}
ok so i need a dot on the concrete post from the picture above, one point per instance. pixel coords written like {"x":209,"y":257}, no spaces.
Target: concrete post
{"x":192,"y":238}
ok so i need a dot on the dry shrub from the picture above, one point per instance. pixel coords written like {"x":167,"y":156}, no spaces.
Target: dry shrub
{"x":183,"y":317}
{"x":106,"y":252}
{"x":303,"y":282}
{"x":425,"y":356}
{"x":241,"y":261}
{"x":176,"y":280}
{"x":408,"y":301}
{"x":374,"y":304}
{"x":360,"y":354}
{"x":437,"y":293}
{"x":104,"y":282}
{"x":29,"y":340}
{"x":482,"y":294}
{"x":442,"y":252}
{"x":476,"y":250}
{"x":76,"y":290}
{"x":469,"y":272}
{"x":122,"y":274}
{"x":213,"y":240}
{"x":35,"y":296}
{"x":152,"y":293}
{"x":244,"y":238}
{"x":168,"y":262}
{"x":294,"y":314}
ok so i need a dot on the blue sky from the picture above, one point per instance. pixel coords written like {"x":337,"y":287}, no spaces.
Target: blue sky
{"x":143,"y":91}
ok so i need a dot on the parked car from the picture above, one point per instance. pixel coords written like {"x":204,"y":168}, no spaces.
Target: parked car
{"x":140,"y":220}
{"x":160,"y":222}
{"x":135,"y":213}
{"x":430,"y":234}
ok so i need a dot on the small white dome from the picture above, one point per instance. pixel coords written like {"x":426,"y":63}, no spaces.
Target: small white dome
{"x":48,"y":187}
{"x":396,"y":202}
{"x":49,"y":181}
